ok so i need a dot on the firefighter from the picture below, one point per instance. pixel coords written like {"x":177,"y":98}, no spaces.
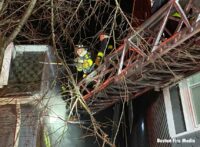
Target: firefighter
{"x":104,"y":40}
{"x":83,"y":62}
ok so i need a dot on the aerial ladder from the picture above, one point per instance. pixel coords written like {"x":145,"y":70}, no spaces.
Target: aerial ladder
{"x":160,"y":52}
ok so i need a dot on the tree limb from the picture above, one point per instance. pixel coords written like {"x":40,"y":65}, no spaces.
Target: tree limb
{"x":21,"y":23}
{"x":17,"y":29}
{"x":1,"y":5}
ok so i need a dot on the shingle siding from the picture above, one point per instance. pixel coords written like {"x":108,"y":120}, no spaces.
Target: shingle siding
{"x":157,"y":123}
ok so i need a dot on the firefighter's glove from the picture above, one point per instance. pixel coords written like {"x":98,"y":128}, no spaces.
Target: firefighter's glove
{"x":84,"y":75}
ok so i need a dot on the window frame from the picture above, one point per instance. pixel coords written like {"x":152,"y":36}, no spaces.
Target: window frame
{"x":188,"y":109}
{"x":48,"y":72}
{"x":190,"y":95}
{"x":6,"y":64}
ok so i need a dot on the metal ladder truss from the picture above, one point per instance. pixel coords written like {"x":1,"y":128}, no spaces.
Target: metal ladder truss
{"x":163,"y":50}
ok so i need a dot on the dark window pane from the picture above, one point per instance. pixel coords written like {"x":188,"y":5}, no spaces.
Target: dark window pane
{"x":177,"y":109}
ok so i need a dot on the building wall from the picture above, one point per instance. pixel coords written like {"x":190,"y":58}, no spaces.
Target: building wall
{"x":28,"y":126}
{"x":7,"y":125}
{"x":158,"y":127}
{"x":141,"y":11}
{"x":157,"y":123}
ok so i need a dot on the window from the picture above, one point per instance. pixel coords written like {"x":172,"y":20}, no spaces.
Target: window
{"x":194,"y":90}
{"x":26,"y":70}
{"x":182,"y":103}
{"x":177,"y":109}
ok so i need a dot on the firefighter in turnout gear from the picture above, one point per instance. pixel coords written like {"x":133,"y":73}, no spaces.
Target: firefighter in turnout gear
{"x":104,"y":40}
{"x":83,"y":62}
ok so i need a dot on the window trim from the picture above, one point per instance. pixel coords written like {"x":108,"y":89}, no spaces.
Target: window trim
{"x":187,"y":105}
{"x":169,"y":113}
{"x":196,"y":125}
{"x":5,"y":67}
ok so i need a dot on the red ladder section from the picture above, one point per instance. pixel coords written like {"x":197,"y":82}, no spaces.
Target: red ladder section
{"x":154,"y":56}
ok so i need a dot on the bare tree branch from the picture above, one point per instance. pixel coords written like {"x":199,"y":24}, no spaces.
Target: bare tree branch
{"x":1,"y":5}
{"x":21,"y":24}
{"x":18,"y":28}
